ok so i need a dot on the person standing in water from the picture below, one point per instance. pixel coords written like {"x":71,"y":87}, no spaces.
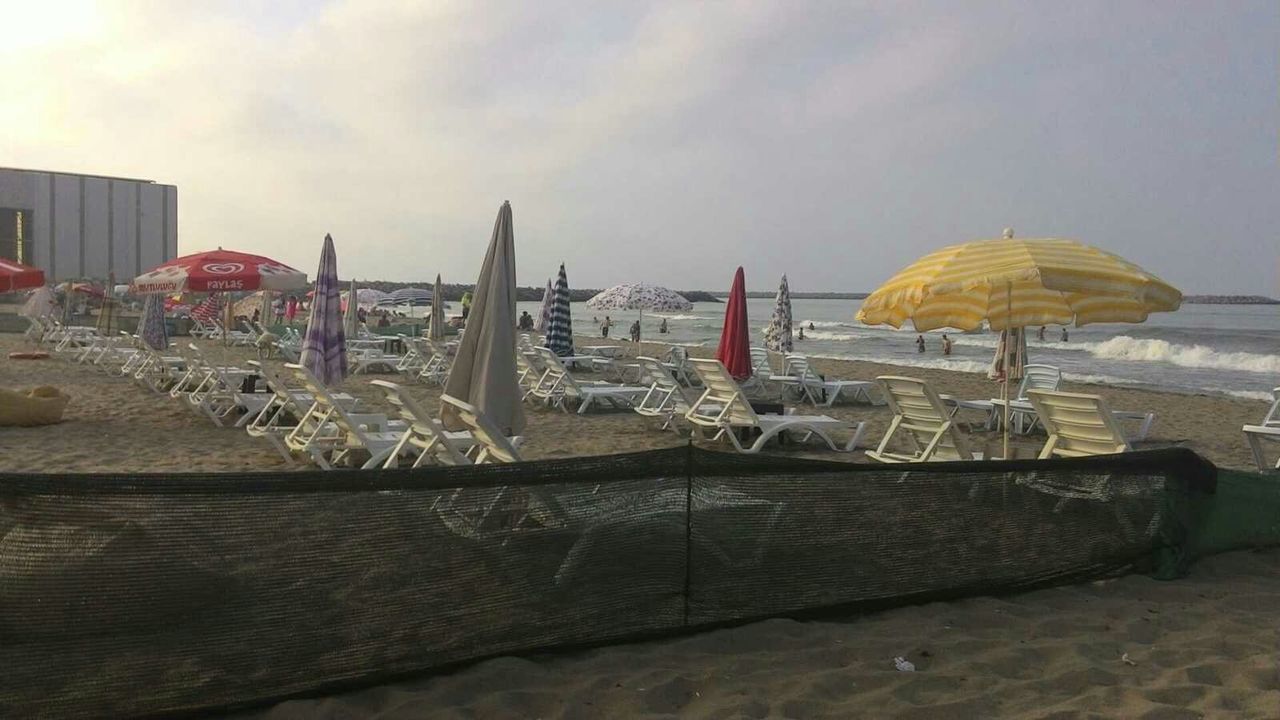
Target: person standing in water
{"x":920,"y":343}
{"x":946,"y":344}
{"x":1064,"y":333}
{"x":604,"y":327}
{"x":801,"y":337}
{"x":1041,"y":333}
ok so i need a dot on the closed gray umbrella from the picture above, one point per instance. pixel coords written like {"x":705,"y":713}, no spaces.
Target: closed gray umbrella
{"x":324,"y":348}
{"x":435,"y":330}
{"x":484,"y":370}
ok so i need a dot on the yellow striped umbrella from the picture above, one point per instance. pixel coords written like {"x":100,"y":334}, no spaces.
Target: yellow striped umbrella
{"x":1047,"y":281}
{"x":1017,"y":283}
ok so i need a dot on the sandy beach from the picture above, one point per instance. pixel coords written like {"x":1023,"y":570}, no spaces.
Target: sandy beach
{"x":113,"y":425}
{"x":1201,"y":647}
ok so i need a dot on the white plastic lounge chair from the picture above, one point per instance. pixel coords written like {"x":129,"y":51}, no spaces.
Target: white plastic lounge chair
{"x":494,"y":447}
{"x":424,"y":439}
{"x":328,"y":433}
{"x":677,"y":361}
{"x":286,"y":406}
{"x":435,"y":369}
{"x":735,"y":413}
{"x":1034,"y":377}
{"x":666,"y":400}
{"x":219,"y":395}
{"x":557,"y":385}
{"x":920,"y":417}
{"x":1078,"y":424}
{"x":818,"y":391}
{"x":1268,"y":429}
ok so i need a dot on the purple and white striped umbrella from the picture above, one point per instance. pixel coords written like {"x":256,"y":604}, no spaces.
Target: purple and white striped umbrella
{"x":324,"y":348}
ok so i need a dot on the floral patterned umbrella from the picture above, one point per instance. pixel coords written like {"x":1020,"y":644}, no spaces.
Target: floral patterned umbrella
{"x":639,"y":296}
{"x":777,"y":336}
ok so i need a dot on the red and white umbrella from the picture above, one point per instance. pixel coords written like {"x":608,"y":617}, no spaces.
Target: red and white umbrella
{"x":218,"y":271}
{"x":16,"y":276}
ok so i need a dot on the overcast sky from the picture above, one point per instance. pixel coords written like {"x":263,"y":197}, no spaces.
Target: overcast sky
{"x":671,"y":142}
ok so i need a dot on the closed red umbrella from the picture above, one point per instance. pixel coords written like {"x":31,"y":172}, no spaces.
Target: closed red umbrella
{"x":16,"y":276}
{"x":735,"y":339}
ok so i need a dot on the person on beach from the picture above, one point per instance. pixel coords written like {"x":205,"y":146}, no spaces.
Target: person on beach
{"x":291,"y":308}
{"x":526,"y":321}
{"x":946,"y":344}
{"x":635,"y":331}
{"x":919,"y":343}
{"x":810,"y":326}
{"x":1041,"y":333}
{"x":604,"y":327}
{"x":801,"y":335}
{"x":1064,"y":333}
{"x":662,"y":329}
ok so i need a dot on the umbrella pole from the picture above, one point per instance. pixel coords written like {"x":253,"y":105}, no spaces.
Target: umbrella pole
{"x":226,"y":323}
{"x":1008,"y":341}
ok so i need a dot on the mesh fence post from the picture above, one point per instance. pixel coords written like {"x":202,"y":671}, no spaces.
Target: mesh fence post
{"x":688,"y":527}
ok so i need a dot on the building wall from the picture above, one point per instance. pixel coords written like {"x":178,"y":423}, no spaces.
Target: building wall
{"x":85,"y":226}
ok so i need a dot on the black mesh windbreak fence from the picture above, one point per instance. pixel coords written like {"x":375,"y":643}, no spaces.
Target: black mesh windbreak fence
{"x":155,"y":595}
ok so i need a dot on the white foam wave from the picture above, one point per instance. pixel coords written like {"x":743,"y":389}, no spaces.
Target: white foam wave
{"x":680,"y":317}
{"x":1132,"y":349}
{"x":956,"y":365}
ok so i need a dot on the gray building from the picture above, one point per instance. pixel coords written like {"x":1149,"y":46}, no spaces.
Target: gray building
{"x":76,"y":226}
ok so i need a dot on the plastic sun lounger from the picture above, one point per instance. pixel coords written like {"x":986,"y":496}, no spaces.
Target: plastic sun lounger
{"x":286,"y":403}
{"x":1079,"y":425}
{"x":328,"y":433}
{"x":1034,"y":377}
{"x":495,"y":447}
{"x":801,"y":376}
{"x":920,"y":417}
{"x":1268,"y":429}
{"x":424,"y":438}
{"x":735,"y":413}
{"x":666,"y":399}
{"x":558,"y":384}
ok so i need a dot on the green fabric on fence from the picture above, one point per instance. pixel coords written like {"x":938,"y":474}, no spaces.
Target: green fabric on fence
{"x":1243,"y":513}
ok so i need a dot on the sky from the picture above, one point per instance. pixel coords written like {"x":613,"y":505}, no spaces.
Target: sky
{"x":671,"y":142}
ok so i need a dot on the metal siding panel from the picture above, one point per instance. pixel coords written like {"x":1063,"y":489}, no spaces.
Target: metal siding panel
{"x":38,"y":236}
{"x":122,"y":203}
{"x":97,"y":260}
{"x":152,"y":226}
{"x":66,"y":228}
{"x":171,"y":222}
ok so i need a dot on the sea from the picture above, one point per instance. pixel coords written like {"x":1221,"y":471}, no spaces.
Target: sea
{"x":1222,"y":349}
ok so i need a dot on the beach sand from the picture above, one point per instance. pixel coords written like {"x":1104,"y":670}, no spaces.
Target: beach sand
{"x":113,"y":425}
{"x":1201,"y":647}
{"x":1205,"y":646}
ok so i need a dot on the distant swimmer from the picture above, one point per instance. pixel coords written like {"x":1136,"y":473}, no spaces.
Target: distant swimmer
{"x":920,"y":343}
{"x":810,"y":325}
{"x":946,"y":344}
{"x":1041,"y":333}
{"x":1064,"y":333}
{"x":663,"y":327}
{"x":801,"y":336}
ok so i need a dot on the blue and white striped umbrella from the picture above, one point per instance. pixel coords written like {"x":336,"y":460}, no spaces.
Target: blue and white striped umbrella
{"x":544,"y":312}
{"x":151,"y":325}
{"x":560,"y":324}
{"x":408,"y":296}
{"x":324,"y":349}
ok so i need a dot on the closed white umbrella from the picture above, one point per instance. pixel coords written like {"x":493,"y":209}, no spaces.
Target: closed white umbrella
{"x":350,"y":320}
{"x":484,"y":370}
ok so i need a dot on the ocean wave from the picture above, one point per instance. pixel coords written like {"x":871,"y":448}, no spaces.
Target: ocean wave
{"x":1132,"y":349}
{"x":679,"y":317}
{"x":956,"y":365}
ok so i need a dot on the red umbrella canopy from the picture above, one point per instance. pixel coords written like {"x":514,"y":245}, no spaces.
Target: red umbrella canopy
{"x":16,"y":276}
{"x":735,"y":339}
{"x":218,"y":271}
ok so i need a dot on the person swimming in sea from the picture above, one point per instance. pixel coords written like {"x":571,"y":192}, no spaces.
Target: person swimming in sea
{"x":801,"y":335}
{"x":920,"y":343}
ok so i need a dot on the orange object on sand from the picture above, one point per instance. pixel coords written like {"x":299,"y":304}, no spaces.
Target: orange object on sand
{"x":36,"y":355}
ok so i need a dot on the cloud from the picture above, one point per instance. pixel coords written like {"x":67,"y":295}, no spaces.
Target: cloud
{"x":667,"y":142}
